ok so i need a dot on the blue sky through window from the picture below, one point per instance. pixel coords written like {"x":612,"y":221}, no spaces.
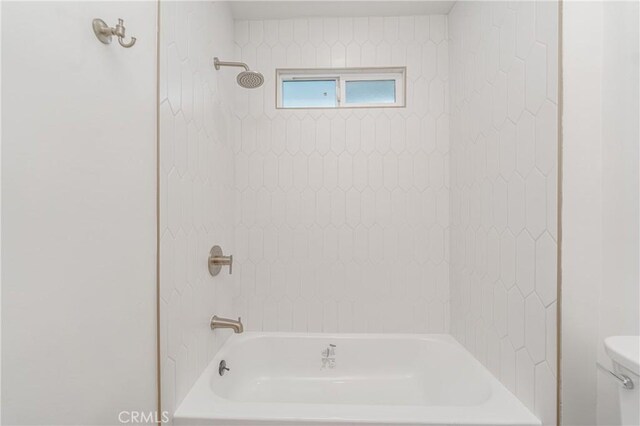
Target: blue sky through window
{"x":308,"y":93}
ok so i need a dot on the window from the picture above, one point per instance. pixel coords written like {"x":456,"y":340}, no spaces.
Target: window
{"x":340,"y":88}
{"x":370,"y":92}
{"x":303,"y":93}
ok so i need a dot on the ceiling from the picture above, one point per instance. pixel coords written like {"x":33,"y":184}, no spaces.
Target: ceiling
{"x":268,"y":9}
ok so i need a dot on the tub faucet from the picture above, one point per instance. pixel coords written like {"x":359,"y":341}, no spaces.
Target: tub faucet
{"x":218,"y":322}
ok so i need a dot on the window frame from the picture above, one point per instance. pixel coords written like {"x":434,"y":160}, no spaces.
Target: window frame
{"x":341,"y":77}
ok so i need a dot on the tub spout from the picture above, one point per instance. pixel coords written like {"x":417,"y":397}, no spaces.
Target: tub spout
{"x":218,"y":322}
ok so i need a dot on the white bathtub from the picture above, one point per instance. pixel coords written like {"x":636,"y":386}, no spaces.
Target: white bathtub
{"x":286,"y":378}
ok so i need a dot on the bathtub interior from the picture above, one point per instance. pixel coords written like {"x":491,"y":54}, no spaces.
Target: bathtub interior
{"x":369,"y":370}
{"x":376,"y":379}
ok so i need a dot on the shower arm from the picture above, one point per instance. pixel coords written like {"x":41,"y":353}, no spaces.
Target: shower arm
{"x":217,"y":63}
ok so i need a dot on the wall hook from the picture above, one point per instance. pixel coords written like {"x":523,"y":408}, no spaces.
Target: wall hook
{"x":105,"y":33}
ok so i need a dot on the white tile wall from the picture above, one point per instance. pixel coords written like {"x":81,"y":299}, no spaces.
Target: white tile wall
{"x":503,"y":192}
{"x":343,"y":215}
{"x":196,"y":188}
{"x":337,"y":216}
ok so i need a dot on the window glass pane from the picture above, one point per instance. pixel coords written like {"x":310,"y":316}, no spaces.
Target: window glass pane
{"x":308,"y":93}
{"x":371,"y":92}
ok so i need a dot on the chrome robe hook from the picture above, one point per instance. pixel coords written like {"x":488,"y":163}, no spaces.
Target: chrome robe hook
{"x":105,"y":33}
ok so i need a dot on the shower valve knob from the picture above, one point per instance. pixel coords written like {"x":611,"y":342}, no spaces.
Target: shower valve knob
{"x":217,"y":260}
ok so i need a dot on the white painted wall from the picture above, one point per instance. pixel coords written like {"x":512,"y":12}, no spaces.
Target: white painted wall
{"x":78,"y":214}
{"x":582,"y":208}
{"x":343,"y":214}
{"x":619,"y":303}
{"x":196,"y":188}
{"x":601,"y":193}
{"x":504,"y":95}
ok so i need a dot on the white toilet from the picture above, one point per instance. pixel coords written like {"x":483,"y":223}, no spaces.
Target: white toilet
{"x":624,"y":351}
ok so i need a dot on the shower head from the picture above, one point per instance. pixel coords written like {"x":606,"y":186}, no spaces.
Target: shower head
{"x":247,"y":78}
{"x":250,"y":79}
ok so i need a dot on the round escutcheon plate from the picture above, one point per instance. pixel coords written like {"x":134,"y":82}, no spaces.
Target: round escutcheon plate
{"x":215,"y":251}
{"x":100,"y":28}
